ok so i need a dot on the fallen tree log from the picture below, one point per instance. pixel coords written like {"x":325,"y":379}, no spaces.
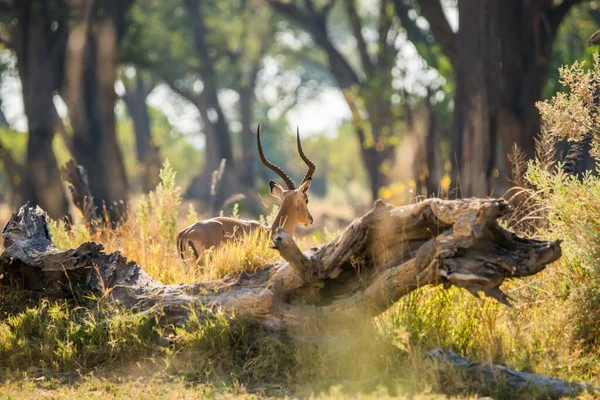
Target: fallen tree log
{"x":517,"y":381}
{"x":377,"y":259}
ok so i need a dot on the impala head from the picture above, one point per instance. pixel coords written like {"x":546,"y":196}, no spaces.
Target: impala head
{"x":294,"y":201}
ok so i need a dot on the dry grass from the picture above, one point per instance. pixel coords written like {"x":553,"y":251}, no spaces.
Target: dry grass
{"x":147,"y":236}
{"x":246,"y":254}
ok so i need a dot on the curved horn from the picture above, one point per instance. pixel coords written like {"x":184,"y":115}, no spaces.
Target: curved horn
{"x":311,"y":165}
{"x":271,"y":166}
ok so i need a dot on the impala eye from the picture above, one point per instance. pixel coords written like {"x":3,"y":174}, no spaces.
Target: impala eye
{"x":306,"y":201}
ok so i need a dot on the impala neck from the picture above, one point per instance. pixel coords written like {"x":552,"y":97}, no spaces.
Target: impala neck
{"x":287,"y":218}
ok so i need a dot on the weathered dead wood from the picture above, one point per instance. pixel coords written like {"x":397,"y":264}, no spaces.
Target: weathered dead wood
{"x":377,"y":259}
{"x":517,"y":381}
{"x":79,"y":186}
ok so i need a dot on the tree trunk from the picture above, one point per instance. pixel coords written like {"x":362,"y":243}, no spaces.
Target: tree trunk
{"x":211,"y":186}
{"x":215,"y":125}
{"x":247,"y":174}
{"x":432,"y":157}
{"x":15,"y":173}
{"x":107,"y":53}
{"x":11,"y":168}
{"x":473,"y":117}
{"x":375,"y":159}
{"x":147,"y":153}
{"x":200,"y":188}
{"x":501,"y":67}
{"x":89,"y":95}
{"x":426,"y":158}
{"x":37,"y":62}
{"x":518,"y":65}
{"x":378,"y":157}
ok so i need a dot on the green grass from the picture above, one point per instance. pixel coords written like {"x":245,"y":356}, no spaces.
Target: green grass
{"x":59,"y":338}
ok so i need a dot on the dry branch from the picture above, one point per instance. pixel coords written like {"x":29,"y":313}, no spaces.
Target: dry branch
{"x":377,"y":259}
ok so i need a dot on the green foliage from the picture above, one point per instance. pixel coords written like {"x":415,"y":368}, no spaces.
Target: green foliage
{"x":57,"y":337}
{"x":269,"y":219}
{"x":235,"y":211}
{"x":155,"y":37}
{"x":462,"y":333}
{"x":573,"y":114}
{"x":573,"y":211}
{"x":60,"y":337}
{"x":142,"y":218}
{"x":192,"y":216}
{"x":211,"y":343}
{"x":15,"y":141}
{"x":570,"y":43}
{"x":63,"y":236}
{"x":164,"y":202}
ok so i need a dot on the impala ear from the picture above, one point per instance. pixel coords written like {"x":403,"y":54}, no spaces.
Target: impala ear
{"x":276,"y":190}
{"x":305,"y":186}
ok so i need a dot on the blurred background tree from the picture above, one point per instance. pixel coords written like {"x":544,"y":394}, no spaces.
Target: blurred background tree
{"x":391,"y":96}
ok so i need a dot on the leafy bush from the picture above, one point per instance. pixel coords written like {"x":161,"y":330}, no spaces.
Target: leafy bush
{"x":553,"y":328}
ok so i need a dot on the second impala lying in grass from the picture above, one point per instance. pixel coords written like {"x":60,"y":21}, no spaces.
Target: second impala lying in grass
{"x":293,"y":210}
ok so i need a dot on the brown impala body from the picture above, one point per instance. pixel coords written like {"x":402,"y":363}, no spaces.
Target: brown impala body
{"x":293,"y":210}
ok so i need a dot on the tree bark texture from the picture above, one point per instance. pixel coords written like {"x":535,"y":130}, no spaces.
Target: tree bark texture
{"x":426,"y":161}
{"x":474,"y":133}
{"x":501,"y":65}
{"x":38,"y":49}
{"x":380,"y":257}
